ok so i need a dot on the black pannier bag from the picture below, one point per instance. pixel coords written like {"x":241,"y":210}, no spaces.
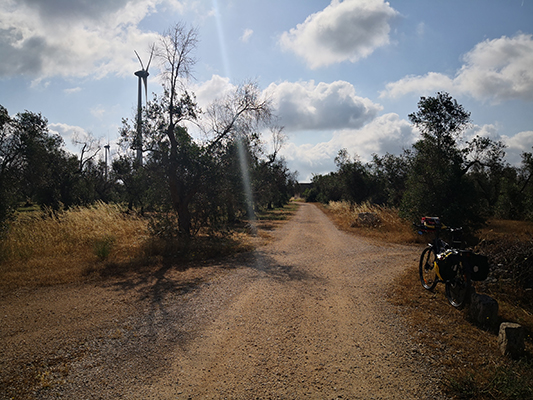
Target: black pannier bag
{"x":447,"y":262}
{"x":479,"y":264}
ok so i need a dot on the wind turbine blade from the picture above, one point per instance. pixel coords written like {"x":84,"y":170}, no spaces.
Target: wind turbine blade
{"x":142,"y":66}
{"x":150,"y":60}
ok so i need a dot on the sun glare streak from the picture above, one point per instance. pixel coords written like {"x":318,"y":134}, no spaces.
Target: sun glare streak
{"x":221,"y":39}
{"x":243,"y":162}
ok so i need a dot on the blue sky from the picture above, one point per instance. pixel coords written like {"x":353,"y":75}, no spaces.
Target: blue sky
{"x":341,"y":74}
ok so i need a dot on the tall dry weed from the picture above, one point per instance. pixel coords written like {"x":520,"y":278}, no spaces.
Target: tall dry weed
{"x":389,"y":226}
{"x":47,"y":248}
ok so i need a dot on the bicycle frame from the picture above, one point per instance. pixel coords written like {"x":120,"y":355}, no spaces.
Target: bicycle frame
{"x":428,"y":269}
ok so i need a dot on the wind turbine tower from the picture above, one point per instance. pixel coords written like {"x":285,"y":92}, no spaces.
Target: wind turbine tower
{"x":143,"y":78}
{"x":106,"y":148}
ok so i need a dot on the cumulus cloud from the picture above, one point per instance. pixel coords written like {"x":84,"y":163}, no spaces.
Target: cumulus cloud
{"x":343,"y":31}
{"x":431,"y":82}
{"x":516,"y":145}
{"x":215,"y":88}
{"x":77,"y":38}
{"x":70,"y":133}
{"x":499,"y":69}
{"x":522,"y":141}
{"x":76,"y":137}
{"x":324,"y":106}
{"x":495,"y":70}
{"x":385,"y":134}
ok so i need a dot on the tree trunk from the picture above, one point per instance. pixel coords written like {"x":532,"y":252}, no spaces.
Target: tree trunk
{"x":179,"y":203}
{"x":184,"y":218}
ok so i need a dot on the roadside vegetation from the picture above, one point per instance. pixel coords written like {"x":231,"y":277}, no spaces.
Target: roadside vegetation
{"x":447,"y":173}
{"x":106,"y":240}
{"x":191,"y":183}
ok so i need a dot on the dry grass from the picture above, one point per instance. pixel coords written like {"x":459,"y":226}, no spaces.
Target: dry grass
{"x":102,"y":241}
{"x":43,"y":249}
{"x":497,"y":228}
{"x":390,"y":228}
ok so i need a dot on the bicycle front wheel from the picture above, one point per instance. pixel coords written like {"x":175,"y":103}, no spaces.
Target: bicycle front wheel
{"x":426,"y":269}
{"x":458,"y":290}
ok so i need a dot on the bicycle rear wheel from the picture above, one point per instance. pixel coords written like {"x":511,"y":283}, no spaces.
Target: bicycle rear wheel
{"x":458,"y":290}
{"x":426,"y":269}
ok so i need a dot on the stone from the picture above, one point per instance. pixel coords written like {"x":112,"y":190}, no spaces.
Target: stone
{"x":511,"y":339}
{"x":483,"y":310}
{"x":368,"y":219}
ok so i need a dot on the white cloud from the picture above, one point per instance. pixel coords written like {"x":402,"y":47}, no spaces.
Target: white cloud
{"x":75,"y":137}
{"x":324,"y":106}
{"x":499,"y":69}
{"x":387,"y":133}
{"x":76,"y":38}
{"x":421,"y":29}
{"x":516,"y":145}
{"x":490,"y":131}
{"x":343,"y":31}
{"x":247,"y":34}
{"x":495,"y":70}
{"x":69,"y":133}
{"x":215,"y":88}
{"x":522,"y":141}
{"x":430,"y":82}
{"x":72,"y":90}
{"x":98,"y":111}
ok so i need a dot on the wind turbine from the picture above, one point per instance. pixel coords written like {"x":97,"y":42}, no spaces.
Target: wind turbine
{"x":143,"y":77}
{"x":106,"y":148}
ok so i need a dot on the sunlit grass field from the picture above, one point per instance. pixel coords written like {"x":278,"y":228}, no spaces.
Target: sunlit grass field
{"x":43,"y":248}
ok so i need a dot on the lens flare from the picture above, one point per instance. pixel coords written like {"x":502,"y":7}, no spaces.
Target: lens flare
{"x":243,"y":160}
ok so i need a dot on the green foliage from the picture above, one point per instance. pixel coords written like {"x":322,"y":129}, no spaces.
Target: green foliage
{"x":438,"y":182}
{"x":379,"y":182}
{"x":102,"y":246}
{"x":390,"y":173}
{"x":435,"y":185}
{"x":464,"y":183}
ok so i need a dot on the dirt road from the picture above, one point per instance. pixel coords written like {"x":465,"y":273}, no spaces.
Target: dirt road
{"x":305,"y":317}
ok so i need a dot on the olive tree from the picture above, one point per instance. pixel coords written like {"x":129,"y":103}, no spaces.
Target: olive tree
{"x":438,"y":182}
{"x":188,"y":163}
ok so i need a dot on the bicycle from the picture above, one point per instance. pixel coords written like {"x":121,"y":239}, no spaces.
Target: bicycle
{"x":456,"y":267}
{"x":427,"y":268}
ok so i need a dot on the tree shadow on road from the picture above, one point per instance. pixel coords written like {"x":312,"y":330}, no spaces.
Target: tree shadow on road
{"x":273,"y":269}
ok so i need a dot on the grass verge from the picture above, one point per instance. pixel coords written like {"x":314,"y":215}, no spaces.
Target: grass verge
{"x":88,"y":243}
{"x":388,"y":225}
